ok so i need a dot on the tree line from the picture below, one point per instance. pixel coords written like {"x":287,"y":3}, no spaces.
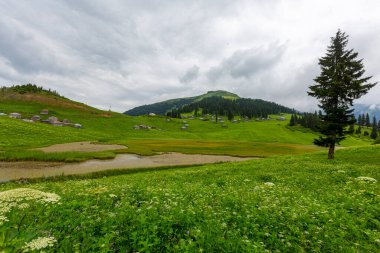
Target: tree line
{"x":313,"y":122}
{"x":29,"y":88}
{"x":244,"y":107}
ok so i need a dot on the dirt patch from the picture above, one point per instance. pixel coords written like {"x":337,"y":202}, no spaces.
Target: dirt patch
{"x":84,"y":146}
{"x":17,"y":170}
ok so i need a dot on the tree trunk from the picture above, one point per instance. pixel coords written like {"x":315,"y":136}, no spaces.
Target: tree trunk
{"x":331,"y":151}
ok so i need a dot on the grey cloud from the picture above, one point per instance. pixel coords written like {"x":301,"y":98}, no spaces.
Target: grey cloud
{"x":247,"y":63}
{"x":133,"y":52}
{"x":190,"y":75}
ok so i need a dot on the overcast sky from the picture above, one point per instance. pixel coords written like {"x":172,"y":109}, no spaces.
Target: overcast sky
{"x":128,"y":53}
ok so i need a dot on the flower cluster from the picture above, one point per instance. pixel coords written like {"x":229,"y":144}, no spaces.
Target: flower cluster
{"x":17,"y":199}
{"x":366,"y":179}
{"x":39,"y":243}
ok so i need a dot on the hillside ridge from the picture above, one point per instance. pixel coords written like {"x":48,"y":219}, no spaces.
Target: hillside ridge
{"x":164,"y":106}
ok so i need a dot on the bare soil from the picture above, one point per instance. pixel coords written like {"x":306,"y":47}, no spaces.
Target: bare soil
{"x":83,"y":146}
{"x":22,"y":170}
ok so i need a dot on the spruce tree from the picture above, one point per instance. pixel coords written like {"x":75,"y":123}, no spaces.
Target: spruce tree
{"x":360,"y":120}
{"x":292,"y":121}
{"x":374,"y":133}
{"x":367,"y":121}
{"x":338,"y":85}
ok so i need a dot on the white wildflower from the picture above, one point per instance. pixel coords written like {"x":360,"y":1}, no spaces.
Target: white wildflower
{"x":17,"y":198}
{"x":366,"y":179}
{"x":269,"y":184}
{"x":3,"y":219}
{"x":39,"y":243}
{"x":112,"y":196}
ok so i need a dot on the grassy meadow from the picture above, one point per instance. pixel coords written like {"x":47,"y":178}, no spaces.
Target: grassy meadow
{"x":298,"y":203}
{"x":252,"y":138}
{"x":294,"y":200}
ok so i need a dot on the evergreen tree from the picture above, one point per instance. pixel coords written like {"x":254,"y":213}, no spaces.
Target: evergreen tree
{"x":363,"y":120}
{"x":230,"y":115}
{"x":375,"y":129}
{"x":360,"y":120}
{"x":292,"y":121}
{"x":374,"y":132}
{"x":367,"y":121}
{"x":339,"y":83}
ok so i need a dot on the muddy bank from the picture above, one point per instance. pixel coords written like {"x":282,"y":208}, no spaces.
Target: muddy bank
{"x":17,"y":170}
{"x":83,"y":146}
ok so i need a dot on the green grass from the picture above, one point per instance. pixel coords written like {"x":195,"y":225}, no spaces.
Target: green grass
{"x":314,"y":205}
{"x":266,"y":138}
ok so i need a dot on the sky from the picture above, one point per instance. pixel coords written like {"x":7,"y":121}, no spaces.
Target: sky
{"x":126,"y":53}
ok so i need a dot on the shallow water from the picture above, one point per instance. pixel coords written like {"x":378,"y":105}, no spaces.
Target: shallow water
{"x":18,"y":170}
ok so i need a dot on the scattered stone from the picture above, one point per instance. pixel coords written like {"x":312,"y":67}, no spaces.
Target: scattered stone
{"x":36,"y":118}
{"x":15,"y":115}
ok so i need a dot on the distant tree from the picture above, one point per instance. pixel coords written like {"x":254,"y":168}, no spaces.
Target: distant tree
{"x":367,"y":121}
{"x":292,"y":121}
{"x":196,"y":112}
{"x":359,"y":130}
{"x":365,"y":133}
{"x":360,"y":120}
{"x":378,"y":125}
{"x":230,"y":115}
{"x":363,"y":120}
{"x":374,"y":132}
{"x":338,"y":85}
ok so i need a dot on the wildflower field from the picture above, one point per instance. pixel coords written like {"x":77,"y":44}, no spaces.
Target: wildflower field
{"x":301,"y":203}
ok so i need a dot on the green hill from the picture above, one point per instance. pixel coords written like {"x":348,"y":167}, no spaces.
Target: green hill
{"x":30,"y":99}
{"x":162,"y":107}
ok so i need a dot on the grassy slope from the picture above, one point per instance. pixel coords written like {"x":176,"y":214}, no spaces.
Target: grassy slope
{"x":314,"y":205}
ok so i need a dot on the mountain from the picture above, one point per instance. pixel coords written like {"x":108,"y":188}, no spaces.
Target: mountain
{"x":163,"y":107}
{"x":372,"y":110}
